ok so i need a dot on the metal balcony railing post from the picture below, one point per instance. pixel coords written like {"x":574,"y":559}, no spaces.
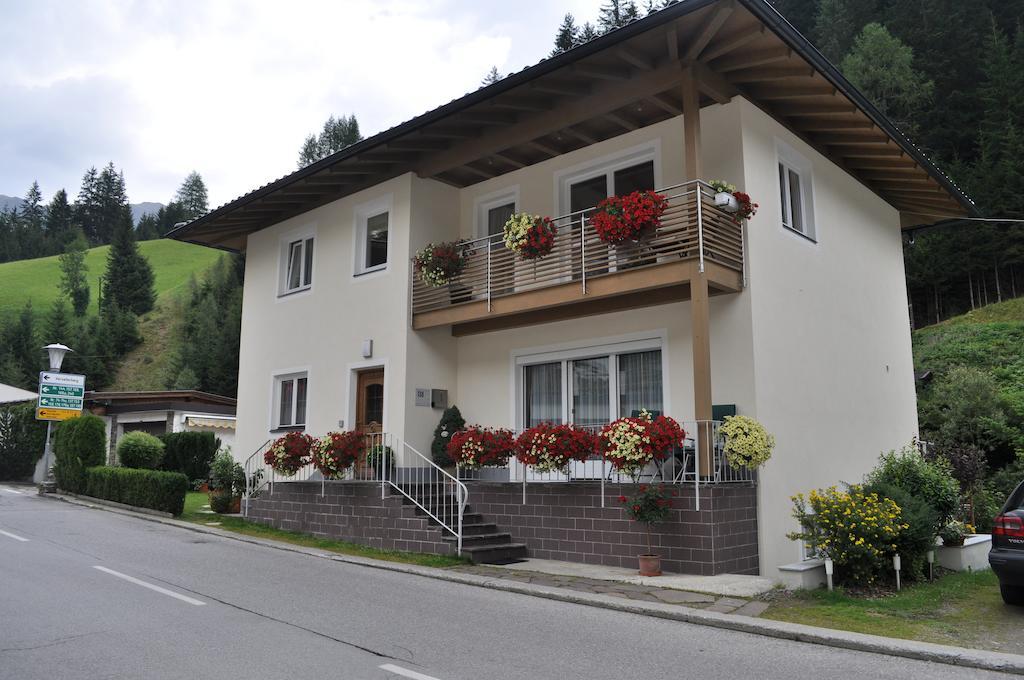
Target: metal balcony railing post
{"x":700,"y":226}
{"x":583,"y":252}
{"x":489,"y":250}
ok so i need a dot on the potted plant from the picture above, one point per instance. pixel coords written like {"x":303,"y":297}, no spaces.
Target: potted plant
{"x":289,"y":453}
{"x":630,"y":444}
{"x":619,"y":219}
{"x":531,"y":236}
{"x":476,"y":447}
{"x":954,"y":533}
{"x":650,"y":505}
{"x":747,"y":444}
{"x":336,"y":452}
{"x":439,"y":264}
{"x":732,"y":201}
{"x":227,"y":479}
{"x":378,"y":458}
{"x":549,"y":448}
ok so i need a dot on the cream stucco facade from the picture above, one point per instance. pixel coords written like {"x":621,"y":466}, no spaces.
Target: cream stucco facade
{"x":817,"y":346}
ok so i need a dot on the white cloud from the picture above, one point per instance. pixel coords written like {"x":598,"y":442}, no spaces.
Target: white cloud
{"x":230,"y":87}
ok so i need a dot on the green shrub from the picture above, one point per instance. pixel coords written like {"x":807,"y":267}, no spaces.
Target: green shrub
{"x":855,"y":528}
{"x":78,"y":443}
{"x":22,"y":438}
{"x":226,"y":475}
{"x":189,"y":453}
{"x":930,"y":480}
{"x":140,"y":450}
{"x":916,"y":534}
{"x":157,"y":490}
{"x":451,"y":422}
{"x":220,"y":502}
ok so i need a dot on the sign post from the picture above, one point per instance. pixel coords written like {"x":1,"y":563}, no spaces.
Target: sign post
{"x":61,"y":396}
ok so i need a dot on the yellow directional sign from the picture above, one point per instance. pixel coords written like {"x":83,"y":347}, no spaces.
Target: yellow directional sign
{"x":56,"y":413}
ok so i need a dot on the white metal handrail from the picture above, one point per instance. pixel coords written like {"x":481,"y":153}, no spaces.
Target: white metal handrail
{"x":255,"y":475}
{"x":692,"y":228}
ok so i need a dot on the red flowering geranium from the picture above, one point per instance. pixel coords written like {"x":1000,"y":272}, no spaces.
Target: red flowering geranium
{"x":476,"y":447}
{"x":649,"y":505}
{"x":289,"y":453}
{"x":747,"y":207}
{"x":532,"y":236}
{"x":629,"y":217}
{"x":547,"y":447}
{"x":439,"y":263}
{"x":335,"y":452}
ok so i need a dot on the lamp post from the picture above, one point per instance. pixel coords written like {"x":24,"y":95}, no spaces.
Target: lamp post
{"x":56,"y":352}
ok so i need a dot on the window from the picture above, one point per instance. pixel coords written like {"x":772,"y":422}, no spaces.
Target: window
{"x":297,"y":272}
{"x":592,"y":390}
{"x":583,"y":186}
{"x":498,"y":216}
{"x":795,"y":195}
{"x":372,"y":229}
{"x":290,"y":394}
{"x":493,"y":210}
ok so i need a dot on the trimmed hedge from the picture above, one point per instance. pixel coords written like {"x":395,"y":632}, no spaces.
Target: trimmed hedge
{"x":78,"y":443}
{"x":190,"y":453}
{"x":21,"y":441}
{"x":164,"y":491}
{"x":140,"y":450}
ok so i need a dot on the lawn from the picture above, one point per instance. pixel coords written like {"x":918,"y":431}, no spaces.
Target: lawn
{"x":38,"y":280}
{"x":960,"y":609}
{"x":194,"y":503}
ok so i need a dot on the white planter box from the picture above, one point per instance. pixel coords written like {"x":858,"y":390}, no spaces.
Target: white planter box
{"x":971,"y":556}
{"x":727,"y":202}
{"x":805,"y":575}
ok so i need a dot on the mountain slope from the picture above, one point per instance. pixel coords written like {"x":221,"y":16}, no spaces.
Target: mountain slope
{"x":138,"y":209}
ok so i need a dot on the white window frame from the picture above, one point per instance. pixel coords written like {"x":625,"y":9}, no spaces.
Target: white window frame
{"x":284,"y":246}
{"x":277,"y":379}
{"x":363,"y":213}
{"x":792,"y":161}
{"x":608,"y":347}
{"x":484,"y":204}
{"x":606,"y":165}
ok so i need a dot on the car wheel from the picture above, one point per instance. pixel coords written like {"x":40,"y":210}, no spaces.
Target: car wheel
{"x":1012,"y":594}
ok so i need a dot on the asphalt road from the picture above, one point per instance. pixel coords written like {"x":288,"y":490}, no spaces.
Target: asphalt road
{"x":89,"y":594}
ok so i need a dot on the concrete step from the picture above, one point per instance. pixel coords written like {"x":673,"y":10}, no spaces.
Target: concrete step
{"x":497,"y":538}
{"x":501,"y":553}
{"x":478,"y":528}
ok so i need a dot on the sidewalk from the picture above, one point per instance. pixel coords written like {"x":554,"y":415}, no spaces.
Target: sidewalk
{"x":703,"y":609}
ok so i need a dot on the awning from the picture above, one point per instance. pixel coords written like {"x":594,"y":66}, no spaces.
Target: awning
{"x":210,"y":421}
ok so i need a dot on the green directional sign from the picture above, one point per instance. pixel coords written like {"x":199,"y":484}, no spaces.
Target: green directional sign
{"x":59,"y":402}
{"x":62,"y":391}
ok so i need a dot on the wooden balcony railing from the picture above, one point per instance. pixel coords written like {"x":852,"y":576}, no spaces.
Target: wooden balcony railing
{"x":694,"y":236}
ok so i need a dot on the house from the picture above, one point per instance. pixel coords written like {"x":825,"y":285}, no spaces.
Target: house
{"x":9,"y":394}
{"x":797,"y":316}
{"x":161,"y":412}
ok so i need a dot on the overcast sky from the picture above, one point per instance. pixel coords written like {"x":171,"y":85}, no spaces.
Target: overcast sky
{"x":230,"y":88}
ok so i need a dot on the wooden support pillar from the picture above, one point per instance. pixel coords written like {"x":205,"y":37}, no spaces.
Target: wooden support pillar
{"x":699,"y":311}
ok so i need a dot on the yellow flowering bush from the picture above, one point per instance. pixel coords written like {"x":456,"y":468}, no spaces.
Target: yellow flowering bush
{"x":747,"y":443}
{"x":856,"y":529}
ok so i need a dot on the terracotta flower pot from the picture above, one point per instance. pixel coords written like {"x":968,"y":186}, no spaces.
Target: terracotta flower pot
{"x":650,"y":565}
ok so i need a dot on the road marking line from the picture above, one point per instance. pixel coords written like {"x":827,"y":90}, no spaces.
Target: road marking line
{"x":12,"y":490}
{"x":405,"y":672}
{"x":131,"y":579}
{"x":14,"y":536}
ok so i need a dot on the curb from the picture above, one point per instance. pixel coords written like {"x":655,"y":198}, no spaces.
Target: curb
{"x":909,"y":649}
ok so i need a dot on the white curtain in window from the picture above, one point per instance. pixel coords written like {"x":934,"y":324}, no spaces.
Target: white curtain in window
{"x":542,"y":391}
{"x":640,"y":382}
{"x":590,"y":392}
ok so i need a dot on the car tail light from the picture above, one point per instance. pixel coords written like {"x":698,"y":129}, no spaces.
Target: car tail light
{"x":1008,"y":525}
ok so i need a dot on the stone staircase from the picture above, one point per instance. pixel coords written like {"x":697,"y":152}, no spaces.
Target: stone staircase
{"x":482,"y":541}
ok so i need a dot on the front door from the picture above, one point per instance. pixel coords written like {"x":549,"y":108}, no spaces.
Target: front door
{"x":370,"y":406}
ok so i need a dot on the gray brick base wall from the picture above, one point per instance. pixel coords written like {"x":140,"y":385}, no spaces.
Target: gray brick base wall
{"x":566,"y":522}
{"x":350,"y":511}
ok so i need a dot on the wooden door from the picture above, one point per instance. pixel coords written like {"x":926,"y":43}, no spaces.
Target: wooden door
{"x":370,"y":415}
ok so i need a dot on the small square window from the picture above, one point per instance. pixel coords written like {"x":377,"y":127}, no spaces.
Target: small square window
{"x":372,"y":231}
{"x":796,"y":202}
{"x":290,"y":396}
{"x":297,"y":269}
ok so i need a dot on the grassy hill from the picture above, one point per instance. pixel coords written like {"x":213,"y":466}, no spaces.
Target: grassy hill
{"x":173,"y":262}
{"x":38,"y":280}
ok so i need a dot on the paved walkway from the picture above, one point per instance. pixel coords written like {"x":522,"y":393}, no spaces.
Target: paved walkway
{"x":630,"y":591}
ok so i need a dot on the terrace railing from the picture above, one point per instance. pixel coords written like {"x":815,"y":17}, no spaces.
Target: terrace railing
{"x":692,"y":228}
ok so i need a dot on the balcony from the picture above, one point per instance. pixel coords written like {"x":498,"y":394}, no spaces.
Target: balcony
{"x":584,"y":276}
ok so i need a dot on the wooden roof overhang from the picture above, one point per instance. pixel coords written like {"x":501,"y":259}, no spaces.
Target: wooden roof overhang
{"x":627,"y":79}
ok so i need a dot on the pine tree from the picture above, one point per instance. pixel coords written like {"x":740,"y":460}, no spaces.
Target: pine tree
{"x":492,"y":77}
{"x":169,"y":216}
{"x":451,"y":422}
{"x":30,"y":224}
{"x":102,"y":207}
{"x":615,"y":14}
{"x":588,"y":33}
{"x":87,"y":209}
{"x":23,"y":348}
{"x":337,"y":134}
{"x":128,"y":281}
{"x":567,"y":37}
{"x":74,"y":281}
{"x":192,"y":197}
{"x":837,"y":22}
{"x":881,"y":67}
{"x":148,"y":228}
{"x":60,"y":222}
{"x":59,"y":326}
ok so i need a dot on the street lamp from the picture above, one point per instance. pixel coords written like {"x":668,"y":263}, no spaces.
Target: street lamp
{"x":56,"y":352}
